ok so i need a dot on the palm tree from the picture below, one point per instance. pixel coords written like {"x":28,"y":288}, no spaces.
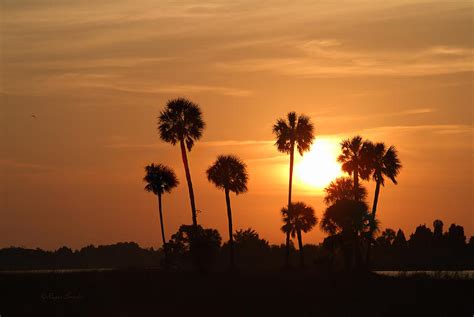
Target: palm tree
{"x":355,"y":159}
{"x":298,"y":218}
{"x":384,"y":163}
{"x":181,"y":122}
{"x":296,"y":131}
{"x":343,"y":188}
{"x":350,"y":220}
{"x":160,"y":179}
{"x":229,"y":173}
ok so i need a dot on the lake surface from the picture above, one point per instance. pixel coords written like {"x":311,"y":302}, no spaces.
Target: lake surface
{"x":61,"y":271}
{"x":469,"y":275}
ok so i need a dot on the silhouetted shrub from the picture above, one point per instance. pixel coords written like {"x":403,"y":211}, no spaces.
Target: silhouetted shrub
{"x":194,"y":245}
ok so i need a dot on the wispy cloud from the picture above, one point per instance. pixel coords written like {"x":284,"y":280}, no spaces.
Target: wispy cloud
{"x":110,"y":81}
{"x":434,"y":128}
{"x":329,"y":58}
{"x":173,"y":89}
{"x":82,"y":63}
{"x":417,"y":111}
{"x":236,"y":143}
{"x":24,"y":166}
{"x":269,"y":159}
{"x":224,"y":143}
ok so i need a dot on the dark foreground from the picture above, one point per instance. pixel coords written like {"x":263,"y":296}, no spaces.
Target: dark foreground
{"x":149,"y":292}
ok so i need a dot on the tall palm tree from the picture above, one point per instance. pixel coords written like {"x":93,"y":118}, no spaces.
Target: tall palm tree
{"x":229,"y":173}
{"x":296,"y":219}
{"x":181,"y":122}
{"x":384,"y":163}
{"x":160,"y":179}
{"x":355,"y":159}
{"x":296,"y":131}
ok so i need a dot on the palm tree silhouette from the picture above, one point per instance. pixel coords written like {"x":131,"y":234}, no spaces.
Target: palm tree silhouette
{"x":298,"y":218}
{"x":343,"y":188}
{"x":355,"y":159}
{"x":384,"y":163}
{"x":229,"y":173}
{"x":297,"y":131}
{"x":181,"y":122}
{"x":160,"y":179}
{"x":350,"y":220}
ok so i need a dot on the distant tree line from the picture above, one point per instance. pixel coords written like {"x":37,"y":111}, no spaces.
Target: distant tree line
{"x":120,"y":255}
{"x":425,"y":249}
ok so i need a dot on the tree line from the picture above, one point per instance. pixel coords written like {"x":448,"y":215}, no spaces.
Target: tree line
{"x":424,"y":249}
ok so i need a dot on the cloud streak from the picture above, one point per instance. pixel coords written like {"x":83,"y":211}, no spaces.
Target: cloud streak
{"x":328,"y":58}
{"x":224,"y":143}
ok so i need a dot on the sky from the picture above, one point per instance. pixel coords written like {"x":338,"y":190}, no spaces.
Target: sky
{"x":96,"y":74}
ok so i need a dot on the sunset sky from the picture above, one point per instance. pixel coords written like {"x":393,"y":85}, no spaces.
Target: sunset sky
{"x":97,"y":73}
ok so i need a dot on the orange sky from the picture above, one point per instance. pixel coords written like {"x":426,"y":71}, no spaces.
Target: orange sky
{"x":97,"y":73}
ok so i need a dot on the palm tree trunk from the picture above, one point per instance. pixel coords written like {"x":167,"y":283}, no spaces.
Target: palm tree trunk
{"x":165,"y":249}
{"x":292,"y":157}
{"x":300,"y":246}
{"x":231,"y":237}
{"x":376,"y":199}
{"x":374,"y":209}
{"x":189,"y":181}
{"x":161,"y":220}
{"x":357,"y":252}
{"x":347,"y":250}
{"x":356,"y":183}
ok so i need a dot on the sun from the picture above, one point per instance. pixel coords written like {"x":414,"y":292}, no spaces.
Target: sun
{"x":318,"y":167}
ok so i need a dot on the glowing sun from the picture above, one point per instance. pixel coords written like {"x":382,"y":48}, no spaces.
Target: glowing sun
{"x":318,"y":167}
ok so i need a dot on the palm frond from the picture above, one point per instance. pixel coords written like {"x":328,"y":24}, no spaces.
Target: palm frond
{"x":296,"y":131}
{"x":159,"y":178}
{"x":299,"y":217}
{"x":229,"y":172}
{"x":181,"y":120}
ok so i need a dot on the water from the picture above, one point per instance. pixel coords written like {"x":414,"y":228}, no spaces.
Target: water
{"x":61,"y":271}
{"x":465,"y":275}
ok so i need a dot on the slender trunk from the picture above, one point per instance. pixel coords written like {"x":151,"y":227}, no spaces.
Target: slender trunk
{"x":348,"y":251}
{"x":300,"y":246}
{"x":376,"y":199}
{"x":190,"y":183}
{"x":231,"y":237}
{"x":165,"y":248}
{"x":356,"y":183}
{"x":357,"y":252}
{"x":292,"y":156}
{"x":161,"y":220}
{"x":374,"y":209}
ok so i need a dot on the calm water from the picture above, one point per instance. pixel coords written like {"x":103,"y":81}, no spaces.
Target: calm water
{"x":62,"y":271}
{"x":434,"y":274}
{"x":468,"y":274}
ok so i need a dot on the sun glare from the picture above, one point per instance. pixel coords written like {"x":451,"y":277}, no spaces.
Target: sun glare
{"x":318,"y":167}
